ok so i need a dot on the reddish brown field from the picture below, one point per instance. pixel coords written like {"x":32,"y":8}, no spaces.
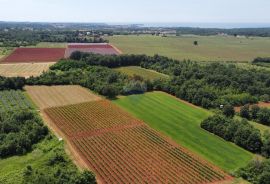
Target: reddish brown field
{"x":104,"y":49}
{"x":29,"y":55}
{"x":122,"y":149}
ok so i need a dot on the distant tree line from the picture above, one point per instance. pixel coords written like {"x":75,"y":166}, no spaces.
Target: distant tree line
{"x":19,"y":131}
{"x":255,"y":113}
{"x":18,"y":37}
{"x":208,"y":85}
{"x":262,"y":32}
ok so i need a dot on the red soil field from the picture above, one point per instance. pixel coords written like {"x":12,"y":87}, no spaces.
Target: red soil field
{"x":99,"y":48}
{"x":122,"y":149}
{"x":29,"y":55}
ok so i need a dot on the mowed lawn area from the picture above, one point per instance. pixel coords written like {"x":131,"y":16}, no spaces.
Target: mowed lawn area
{"x":210,"y":48}
{"x":144,"y":73}
{"x":181,"y":122}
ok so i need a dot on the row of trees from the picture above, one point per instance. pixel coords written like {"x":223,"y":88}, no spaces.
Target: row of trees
{"x":208,"y":85}
{"x":11,"y":83}
{"x":19,"y":131}
{"x":255,"y":113}
{"x":239,"y":132}
{"x":102,"y":80}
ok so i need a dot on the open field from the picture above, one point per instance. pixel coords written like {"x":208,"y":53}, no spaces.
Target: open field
{"x":122,"y":149}
{"x":181,"y":122}
{"x":52,"y":96}
{"x":34,"y":55}
{"x":144,"y":73}
{"x":210,"y":48}
{"x":13,"y":100}
{"x":24,"y":69}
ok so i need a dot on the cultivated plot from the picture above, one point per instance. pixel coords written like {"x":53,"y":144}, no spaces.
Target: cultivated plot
{"x":122,"y":149}
{"x":35,"y":55}
{"x":13,"y":101}
{"x":181,"y":122}
{"x":24,"y":69}
{"x":144,"y":73}
{"x":209,"y":48}
{"x":96,"y":48}
{"x":52,"y":96}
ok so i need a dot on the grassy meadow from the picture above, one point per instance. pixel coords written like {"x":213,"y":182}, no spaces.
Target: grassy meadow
{"x":50,"y":45}
{"x":144,"y":73}
{"x":210,"y":48}
{"x":181,"y":122}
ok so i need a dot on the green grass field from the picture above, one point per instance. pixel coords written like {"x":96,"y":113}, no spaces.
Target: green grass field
{"x":210,"y":48}
{"x":12,"y":168}
{"x":181,"y":122}
{"x":144,"y":73}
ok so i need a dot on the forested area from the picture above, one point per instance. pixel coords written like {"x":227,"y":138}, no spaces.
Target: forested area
{"x":256,"y":113}
{"x":102,"y":80}
{"x":208,"y":85}
{"x":19,"y":131}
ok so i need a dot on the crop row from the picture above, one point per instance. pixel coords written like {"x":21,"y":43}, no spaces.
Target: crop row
{"x":139,"y":155}
{"x":121,"y":149}
{"x":13,"y":100}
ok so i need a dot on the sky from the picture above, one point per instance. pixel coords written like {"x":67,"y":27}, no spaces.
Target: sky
{"x":136,"y":11}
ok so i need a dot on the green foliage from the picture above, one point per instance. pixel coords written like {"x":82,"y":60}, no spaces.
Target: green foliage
{"x":244,"y":112}
{"x":260,"y":115}
{"x":228,"y":111}
{"x":239,"y":132}
{"x":11,"y":83}
{"x":19,"y":131}
{"x":58,"y":171}
{"x":256,"y":172}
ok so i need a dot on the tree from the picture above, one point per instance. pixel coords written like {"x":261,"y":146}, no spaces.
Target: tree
{"x":195,"y":43}
{"x":265,"y":98}
{"x":254,"y":111}
{"x":244,"y":112}
{"x":228,"y":111}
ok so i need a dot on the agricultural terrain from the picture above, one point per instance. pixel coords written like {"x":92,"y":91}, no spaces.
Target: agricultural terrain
{"x":181,"y":122}
{"x":11,"y":100}
{"x":30,"y":55}
{"x":52,"y":96}
{"x":24,"y":69}
{"x":144,"y":73}
{"x":210,"y":48}
{"x":121,"y":149}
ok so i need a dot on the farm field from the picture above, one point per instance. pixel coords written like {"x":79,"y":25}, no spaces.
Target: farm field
{"x":51,"y":96}
{"x":181,"y":122}
{"x":30,"y":55}
{"x":97,"y":48}
{"x":24,"y":69}
{"x":210,"y":48}
{"x":144,"y":73}
{"x":13,"y":101}
{"x":122,"y":149}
